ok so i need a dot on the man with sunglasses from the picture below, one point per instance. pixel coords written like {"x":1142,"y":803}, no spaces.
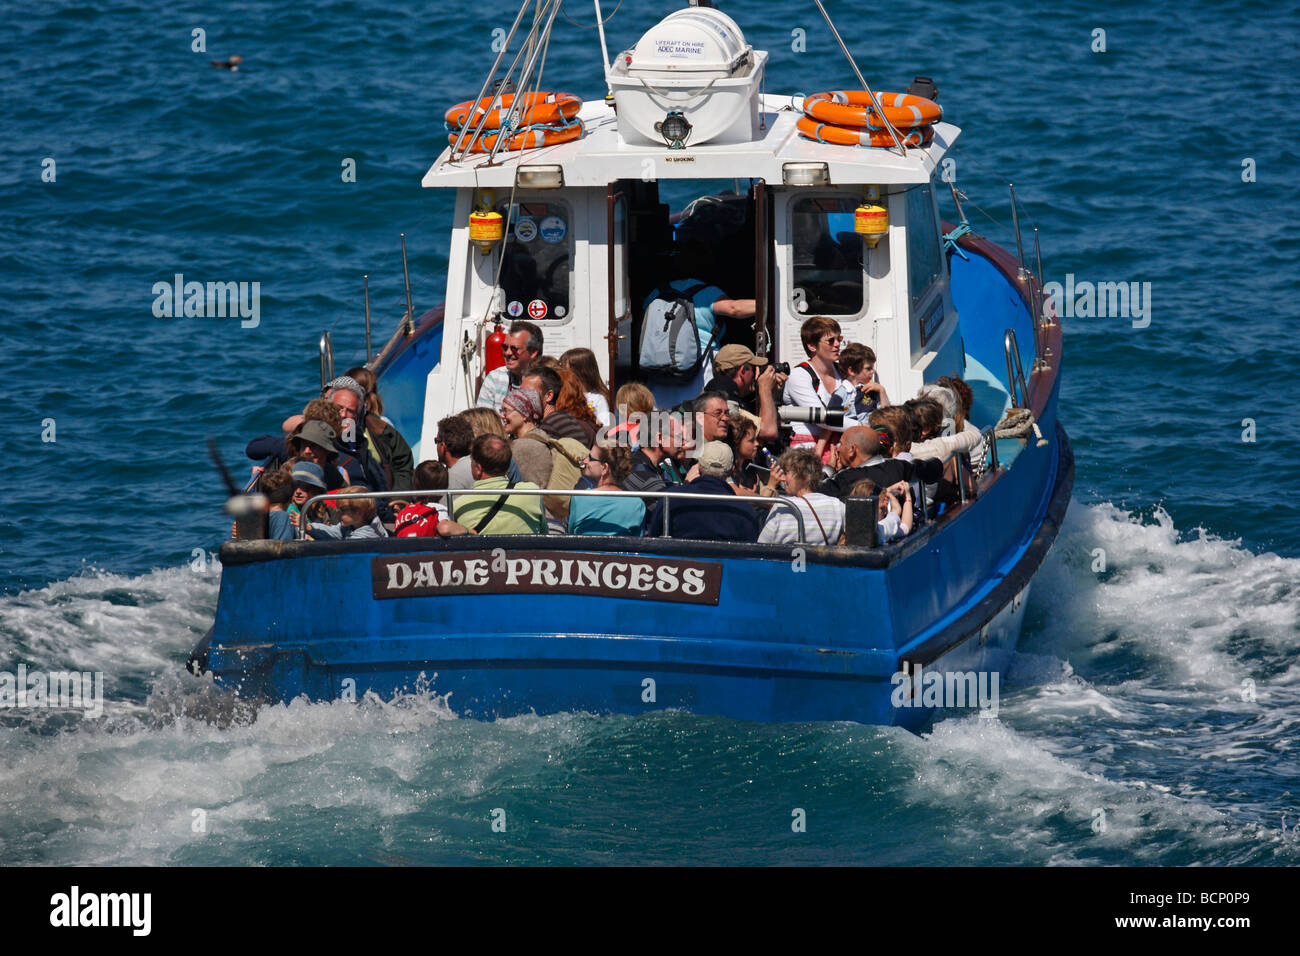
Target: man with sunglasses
{"x":523,"y":347}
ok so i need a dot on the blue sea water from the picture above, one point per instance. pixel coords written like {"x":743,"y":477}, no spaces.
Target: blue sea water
{"x":1126,"y":696}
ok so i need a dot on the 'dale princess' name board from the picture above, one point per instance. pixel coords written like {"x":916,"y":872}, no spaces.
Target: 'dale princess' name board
{"x":548,"y":572}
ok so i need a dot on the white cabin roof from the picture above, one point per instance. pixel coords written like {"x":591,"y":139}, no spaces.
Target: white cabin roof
{"x":601,"y":156}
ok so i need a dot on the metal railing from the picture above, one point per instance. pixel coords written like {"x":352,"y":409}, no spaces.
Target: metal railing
{"x":665,"y":496}
{"x":1015,"y":371}
{"x":326,"y":358}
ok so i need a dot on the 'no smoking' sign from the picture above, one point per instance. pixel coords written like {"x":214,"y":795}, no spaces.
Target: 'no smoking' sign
{"x":537,"y":309}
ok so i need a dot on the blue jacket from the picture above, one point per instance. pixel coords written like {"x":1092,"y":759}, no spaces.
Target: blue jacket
{"x":704,"y":520}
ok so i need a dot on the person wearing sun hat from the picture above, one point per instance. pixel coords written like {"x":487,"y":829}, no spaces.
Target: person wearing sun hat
{"x":314,"y":441}
{"x":748,"y":385}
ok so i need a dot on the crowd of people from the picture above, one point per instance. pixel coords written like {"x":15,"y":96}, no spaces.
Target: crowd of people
{"x":550,"y":425}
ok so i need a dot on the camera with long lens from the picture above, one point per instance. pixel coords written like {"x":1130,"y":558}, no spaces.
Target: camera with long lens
{"x":781,"y":368}
{"x":812,"y":415}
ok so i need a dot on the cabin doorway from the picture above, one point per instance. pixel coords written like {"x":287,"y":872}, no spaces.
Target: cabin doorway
{"x":712,"y":231}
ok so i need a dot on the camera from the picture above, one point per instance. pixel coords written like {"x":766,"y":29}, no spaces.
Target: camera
{"x":781,"y":368}
{"x":811,"y":415}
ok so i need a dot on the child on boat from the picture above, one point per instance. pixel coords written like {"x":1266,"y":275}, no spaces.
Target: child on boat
{"x":859,"y":393}
{"x":358,"y":518}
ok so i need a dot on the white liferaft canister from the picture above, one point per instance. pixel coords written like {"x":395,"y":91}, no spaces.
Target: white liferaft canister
{"x":696,"y":62}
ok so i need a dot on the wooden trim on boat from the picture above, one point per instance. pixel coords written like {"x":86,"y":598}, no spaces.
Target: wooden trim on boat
{"x":1041,"y":380}
{"x":400,"y":340}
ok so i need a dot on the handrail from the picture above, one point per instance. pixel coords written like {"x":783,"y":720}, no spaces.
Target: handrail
{"x":548,"y":492}
{"x":1012,"y":348}
{"x":326,"y":358}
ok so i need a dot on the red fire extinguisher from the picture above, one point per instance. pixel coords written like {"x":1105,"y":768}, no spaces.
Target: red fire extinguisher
{"x":494,"y":355}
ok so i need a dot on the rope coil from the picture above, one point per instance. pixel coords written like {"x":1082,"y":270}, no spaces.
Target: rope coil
{"x":1017,"y":423}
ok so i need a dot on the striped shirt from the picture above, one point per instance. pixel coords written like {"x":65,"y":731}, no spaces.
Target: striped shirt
{"x":496,"y":386}
{"x":782,"y":528}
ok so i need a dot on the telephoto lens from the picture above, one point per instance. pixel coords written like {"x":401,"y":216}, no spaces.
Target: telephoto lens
{"x":781,"y":368}
{"x":812,"y":415}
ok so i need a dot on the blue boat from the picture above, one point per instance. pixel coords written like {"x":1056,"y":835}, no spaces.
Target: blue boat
{"x":503,"y":625}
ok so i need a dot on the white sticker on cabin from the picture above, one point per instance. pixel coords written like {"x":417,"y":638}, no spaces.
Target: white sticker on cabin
{"x":554,"y":229}
{"x":526,"y":230}
{"x":537,"y":309}
{"x":680,"y":49}
{"x":515,"y":308}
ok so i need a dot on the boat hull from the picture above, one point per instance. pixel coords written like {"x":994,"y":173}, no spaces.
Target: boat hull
{"x":796,"y":634}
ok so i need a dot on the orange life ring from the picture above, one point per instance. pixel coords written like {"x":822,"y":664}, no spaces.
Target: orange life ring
{"x":524,"y":139}
{"x":546,"y":108}
{"x":809,"y":128}
{"x":854,"y":108}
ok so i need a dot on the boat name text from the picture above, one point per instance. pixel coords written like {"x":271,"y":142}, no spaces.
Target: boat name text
{"x":548,"y":572}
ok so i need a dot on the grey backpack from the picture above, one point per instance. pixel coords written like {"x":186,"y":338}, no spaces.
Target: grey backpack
{"x":670,"y":338}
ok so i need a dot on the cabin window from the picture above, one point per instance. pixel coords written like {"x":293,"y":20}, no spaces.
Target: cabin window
{"x":535,"y":267}
{"x":827,"y":274}
{"x":923,"y":254}
{"x":620,"y":256}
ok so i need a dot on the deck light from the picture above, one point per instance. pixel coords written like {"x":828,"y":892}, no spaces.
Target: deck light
{"x":806,"y":174}
{"x":486,"y":227}
{"x":675,"y":129}
{"x":871,"y":220}
{"x":539,"y":177}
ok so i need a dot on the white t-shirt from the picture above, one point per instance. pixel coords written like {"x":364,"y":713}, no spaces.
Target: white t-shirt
{"x":600,"y":408}
{"x":782,"y":528}
{"x":800,"y":390}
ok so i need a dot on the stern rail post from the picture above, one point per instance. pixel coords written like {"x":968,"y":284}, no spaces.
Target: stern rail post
{"x":1015,"y":225}
{"x":326,"y":358}
{"x":366,"y":279}
{"x":406,"y":279}
{"x":1015,"y":371}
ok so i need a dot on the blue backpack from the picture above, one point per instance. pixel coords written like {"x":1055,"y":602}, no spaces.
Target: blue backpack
{"x":670,"y":335}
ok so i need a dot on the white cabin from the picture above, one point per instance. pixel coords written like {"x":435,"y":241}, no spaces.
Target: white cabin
{"x":589,"y":233}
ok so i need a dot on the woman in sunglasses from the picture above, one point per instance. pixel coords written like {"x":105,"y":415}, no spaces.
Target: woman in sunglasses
{"x":607,"y":466}
{"x":812,"y":383}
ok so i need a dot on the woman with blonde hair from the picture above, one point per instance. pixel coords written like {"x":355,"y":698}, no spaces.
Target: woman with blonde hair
{"x":484,"y":421}
{"x":633,"y":398}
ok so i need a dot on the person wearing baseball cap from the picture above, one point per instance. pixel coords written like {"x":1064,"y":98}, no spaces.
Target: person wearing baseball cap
{"x":727,"y":520}
{"x":748,"y":380}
